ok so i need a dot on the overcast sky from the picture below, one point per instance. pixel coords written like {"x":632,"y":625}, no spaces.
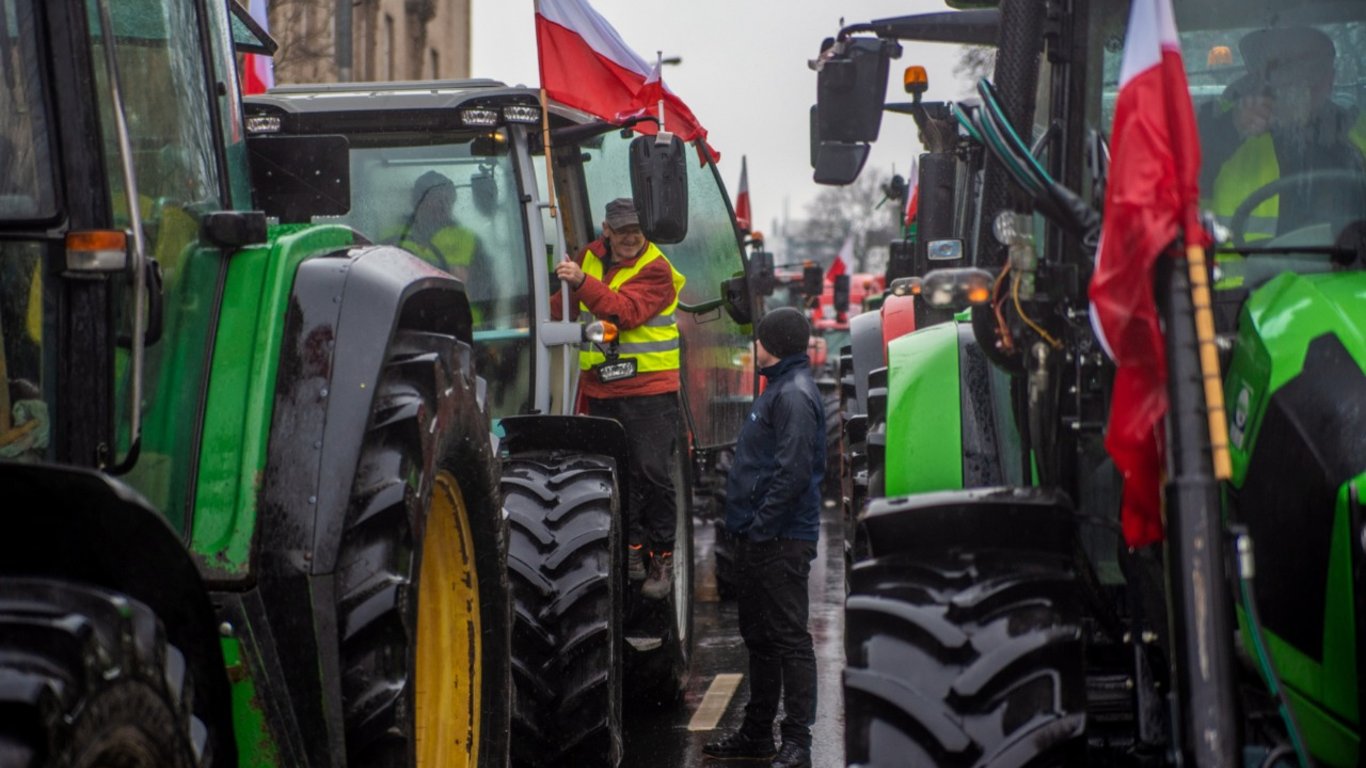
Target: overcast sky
{"x":744,"y":74}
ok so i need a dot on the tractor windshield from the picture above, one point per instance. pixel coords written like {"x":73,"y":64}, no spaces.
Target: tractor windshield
{"x":718,"y":382}
{"x":451,"y":199}
{"x":1278,"y":89}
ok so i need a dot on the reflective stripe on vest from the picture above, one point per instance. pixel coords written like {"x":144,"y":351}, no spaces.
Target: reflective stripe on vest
{"x":1252,"y":166}
{"x":654,"y":344}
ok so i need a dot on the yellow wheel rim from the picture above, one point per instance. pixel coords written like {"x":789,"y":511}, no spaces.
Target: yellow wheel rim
{"x":449,"y":683}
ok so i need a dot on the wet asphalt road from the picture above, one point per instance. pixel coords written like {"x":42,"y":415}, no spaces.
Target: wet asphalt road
{"x":661,"y":737}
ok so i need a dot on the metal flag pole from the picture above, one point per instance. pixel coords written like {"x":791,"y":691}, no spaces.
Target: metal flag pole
{"x":659,"y":70}
{"x":565,"y":407}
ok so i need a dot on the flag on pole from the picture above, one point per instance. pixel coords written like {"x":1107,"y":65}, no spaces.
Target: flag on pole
{"x":586,"y":64}
{"x":258,"y":72}
{"x":1150,"y":197}
{"x":912,"y":193}
{"x":844,"y":260}
{"x":743,"y":217}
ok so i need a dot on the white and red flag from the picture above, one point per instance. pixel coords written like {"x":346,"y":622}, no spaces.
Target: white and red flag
{"x":844,"y":260}
{"x":912,"y":193}
{"x":743,"y":217}
{"x":1150,"y":198}
{"x":258,"y":71}
{"x":585,"y":64}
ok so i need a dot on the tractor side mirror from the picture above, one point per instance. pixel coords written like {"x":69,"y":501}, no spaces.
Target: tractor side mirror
{"x":840,"y":300}
{"x":813,"y":280}
{"x":743,"y":294}
{"x":296,"y":177}
{"x":839,"y":164}
{"x":659,"y":185}
{"x":900,"y":260}
{"x":851,"y":85}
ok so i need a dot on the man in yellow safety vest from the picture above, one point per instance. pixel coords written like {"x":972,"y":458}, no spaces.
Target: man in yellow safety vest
{"x":626,"y":279}
{"x":1280,"y":121}
{"x":431,"y":232}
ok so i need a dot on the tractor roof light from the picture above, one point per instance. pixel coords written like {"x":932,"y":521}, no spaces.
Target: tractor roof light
{"x":915,"y":81}
{"x":1219,"y":56}
{"x":522,"y":113}
{"x":103,"y":250}
{"x":263,"y":124}
{"x":479,"y":117}
{"x":956,"y":288}
{"x":600,"y":332}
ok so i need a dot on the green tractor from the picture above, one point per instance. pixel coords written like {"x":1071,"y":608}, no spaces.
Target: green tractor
{"x":583,"y":637}
{"x":251,"y":506}
{"x":995,"y":616}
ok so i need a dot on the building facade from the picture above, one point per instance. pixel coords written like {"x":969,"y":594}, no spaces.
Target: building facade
{"x":370,"y":40}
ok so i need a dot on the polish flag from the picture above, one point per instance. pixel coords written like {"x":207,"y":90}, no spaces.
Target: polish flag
{"x":1150,"y":199}
{"x":586,"y":65}
{"x":844,"y":260}
{"x":258,"y":75}
{"x":743,"y":217}
{"x":912,"y":193}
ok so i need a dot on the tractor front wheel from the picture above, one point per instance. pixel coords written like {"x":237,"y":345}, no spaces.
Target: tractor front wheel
{"x":566,"y":566}
{"x":87,"y":679}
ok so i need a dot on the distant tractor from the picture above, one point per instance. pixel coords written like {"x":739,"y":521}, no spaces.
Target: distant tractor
{"x":583,"y":636}
{"x":996,"y":614}
{"x":250,"y":507}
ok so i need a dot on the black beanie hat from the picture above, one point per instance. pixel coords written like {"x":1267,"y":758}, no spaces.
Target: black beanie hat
{"x":784,"y":332}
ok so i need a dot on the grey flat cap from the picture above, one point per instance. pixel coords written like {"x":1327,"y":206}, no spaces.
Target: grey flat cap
{"x":622,"y":213}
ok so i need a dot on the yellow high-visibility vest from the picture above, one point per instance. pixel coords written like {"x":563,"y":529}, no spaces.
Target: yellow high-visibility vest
{"x":655,"y":344}
{"x":1252,"y":166}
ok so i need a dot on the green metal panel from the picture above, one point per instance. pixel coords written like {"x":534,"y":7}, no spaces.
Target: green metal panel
{"x":255,"y":747}
{"x":241,"y":390}
{"x":1279,"y":320}
{"x":924,"y":412}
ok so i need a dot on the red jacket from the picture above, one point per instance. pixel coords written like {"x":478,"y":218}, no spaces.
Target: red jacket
{"x":636,"y":301}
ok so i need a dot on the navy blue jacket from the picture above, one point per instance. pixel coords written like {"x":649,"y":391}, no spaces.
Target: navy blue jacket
{"x":774,"y":486}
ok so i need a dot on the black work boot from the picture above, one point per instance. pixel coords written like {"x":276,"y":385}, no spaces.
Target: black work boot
{"x":738,"y":746}
{"x":793,"y":755}
{"x":635,"y":562}
{"x":661,"y":579}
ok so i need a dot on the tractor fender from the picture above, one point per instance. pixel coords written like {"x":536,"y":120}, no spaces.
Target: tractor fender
{"x":345,"y":309}
{"x":898,"y":317}
{"x":81,"y":525}
{"x":1001,"y":518}
{"x":868,"y":352}
{"x":575,"y":434}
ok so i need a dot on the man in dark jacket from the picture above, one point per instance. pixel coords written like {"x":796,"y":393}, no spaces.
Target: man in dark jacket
{"x":773,"y":497}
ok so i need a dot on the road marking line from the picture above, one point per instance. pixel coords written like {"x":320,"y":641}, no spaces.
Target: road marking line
{"x":714,"y":702}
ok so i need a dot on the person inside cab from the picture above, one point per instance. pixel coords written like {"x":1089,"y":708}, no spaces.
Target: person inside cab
{"x":431,"y":232}
{"x":1278,"y":121}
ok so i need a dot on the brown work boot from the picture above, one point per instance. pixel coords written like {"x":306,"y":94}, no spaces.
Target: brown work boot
{"x":661,"y":576}
{"x":635,"y":562}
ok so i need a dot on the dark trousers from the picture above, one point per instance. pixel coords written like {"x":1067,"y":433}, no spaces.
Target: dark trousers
{"x":652,"y":427}
{"x":774,"y":605}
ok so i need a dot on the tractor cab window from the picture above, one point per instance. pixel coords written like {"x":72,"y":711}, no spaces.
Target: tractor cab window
{"x":1278,"y":91}
{"x":716,"y":351}
{"x":26,"y":187}
{"x":451,"y":200}
{"x":169,"y":108}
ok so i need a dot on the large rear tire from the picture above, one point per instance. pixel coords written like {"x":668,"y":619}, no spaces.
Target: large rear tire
{"x":87,"y":679}
{"x":422,"y":603}
{"x":566,"y":570}
{"x":973,"y":659}
{"x":832,"y":482}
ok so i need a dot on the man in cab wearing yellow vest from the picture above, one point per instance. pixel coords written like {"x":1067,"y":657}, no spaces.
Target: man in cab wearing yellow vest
{"x":1280,"y":121}
{"x":431,"y":232}
{"x":626,"y":279}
